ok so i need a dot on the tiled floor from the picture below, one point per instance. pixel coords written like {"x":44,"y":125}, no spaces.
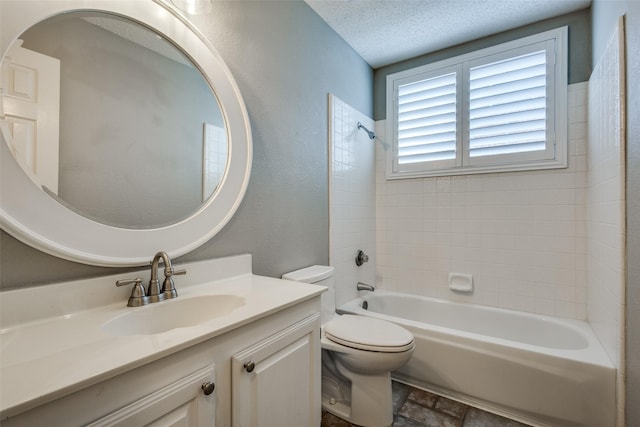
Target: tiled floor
{"x":418,"y":408}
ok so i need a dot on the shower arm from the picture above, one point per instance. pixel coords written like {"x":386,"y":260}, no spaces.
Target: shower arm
{"x":372,"y":135}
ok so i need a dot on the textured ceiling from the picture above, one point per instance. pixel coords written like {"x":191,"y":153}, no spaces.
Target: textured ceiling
{"x":388,"y":31}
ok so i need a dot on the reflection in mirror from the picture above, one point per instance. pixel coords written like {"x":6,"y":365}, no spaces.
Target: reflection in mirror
{"x":142,"y":140}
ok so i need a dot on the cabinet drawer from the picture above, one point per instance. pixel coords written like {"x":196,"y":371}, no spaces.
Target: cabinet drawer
{"x":182,"y":403}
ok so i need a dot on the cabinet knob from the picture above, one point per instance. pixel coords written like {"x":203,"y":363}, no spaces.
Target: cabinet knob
{"x":208,"y":387}
{"x":249,"y":366}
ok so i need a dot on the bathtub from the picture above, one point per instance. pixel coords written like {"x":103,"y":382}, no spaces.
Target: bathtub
{"x":540,"y":370}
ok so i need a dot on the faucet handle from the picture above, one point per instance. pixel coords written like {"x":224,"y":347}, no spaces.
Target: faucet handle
{"x":361,"y":258}
{"x":126,"y":282}
{"x":176,"y":273}
{"x":168,"y":287}
{"x":138,"y":296}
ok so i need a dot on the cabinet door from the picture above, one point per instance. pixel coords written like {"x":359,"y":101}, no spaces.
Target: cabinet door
{"x":180,"y":404}
{"x":276,"y":382}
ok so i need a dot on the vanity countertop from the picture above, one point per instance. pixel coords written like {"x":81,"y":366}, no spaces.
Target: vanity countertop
{"x":52,"y":340}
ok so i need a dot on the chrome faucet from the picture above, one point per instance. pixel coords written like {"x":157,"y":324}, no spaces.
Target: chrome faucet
{"x":365,"y":287}
{"x":154,"y":293}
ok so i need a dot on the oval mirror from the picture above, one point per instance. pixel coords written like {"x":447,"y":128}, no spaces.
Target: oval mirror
{"x":81,"y":88}
{"x":123,"y":131}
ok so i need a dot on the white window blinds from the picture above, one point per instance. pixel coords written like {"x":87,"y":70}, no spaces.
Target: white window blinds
{"x":498,"y":109}
{"x":427,"y":120}
{"x":507,"y":106}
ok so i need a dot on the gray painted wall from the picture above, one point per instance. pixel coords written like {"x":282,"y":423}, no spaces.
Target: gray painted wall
{"x":285,"y":60}
{"x":579,"y":52}
{"x":604,"y":15}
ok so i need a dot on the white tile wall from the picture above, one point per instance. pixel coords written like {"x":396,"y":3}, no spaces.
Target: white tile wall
{"x":549,"y":242}
{"x":351,"y":198}
{"x":522,"y":235}
{"x":605,"y":202}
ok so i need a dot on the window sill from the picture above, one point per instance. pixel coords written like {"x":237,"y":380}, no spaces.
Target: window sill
{"x":471,"y":170}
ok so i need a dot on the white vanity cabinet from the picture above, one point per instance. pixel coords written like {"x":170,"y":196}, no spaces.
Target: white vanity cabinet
{"x":167,"y":392}
{"x":283,"y":388}
{"x":275,"y":382}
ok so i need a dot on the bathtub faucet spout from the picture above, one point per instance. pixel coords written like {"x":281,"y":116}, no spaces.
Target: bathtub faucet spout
{"x":365,"y":287}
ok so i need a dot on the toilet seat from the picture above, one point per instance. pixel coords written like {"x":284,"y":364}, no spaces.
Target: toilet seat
{"x":368,"y":334}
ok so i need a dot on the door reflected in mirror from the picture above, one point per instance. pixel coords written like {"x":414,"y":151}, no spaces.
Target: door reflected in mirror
{"x":112,"y":120}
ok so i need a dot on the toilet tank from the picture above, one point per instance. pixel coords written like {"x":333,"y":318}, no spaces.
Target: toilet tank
{"x":318,"y":275}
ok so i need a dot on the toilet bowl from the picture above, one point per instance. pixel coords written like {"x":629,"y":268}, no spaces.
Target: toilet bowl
{"x":358,"y":355}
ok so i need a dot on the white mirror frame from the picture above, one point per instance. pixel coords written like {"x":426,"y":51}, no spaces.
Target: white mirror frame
{"x":35,"y":218}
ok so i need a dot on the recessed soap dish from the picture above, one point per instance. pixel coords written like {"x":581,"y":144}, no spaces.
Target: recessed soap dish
{"x":460,"y":282}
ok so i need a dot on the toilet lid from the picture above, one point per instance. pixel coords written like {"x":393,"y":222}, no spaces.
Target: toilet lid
{"x":367,"y":333}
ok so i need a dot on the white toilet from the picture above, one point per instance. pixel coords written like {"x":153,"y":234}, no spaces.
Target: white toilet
{"x":358,"y":355}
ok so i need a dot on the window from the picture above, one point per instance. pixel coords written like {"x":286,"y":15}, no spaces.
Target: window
{"x":498,"y":109}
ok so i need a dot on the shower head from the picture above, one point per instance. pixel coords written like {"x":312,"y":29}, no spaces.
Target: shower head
{"x":372,"y":135}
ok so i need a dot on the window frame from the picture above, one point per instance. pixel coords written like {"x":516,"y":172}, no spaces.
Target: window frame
{"x":554,"y":42}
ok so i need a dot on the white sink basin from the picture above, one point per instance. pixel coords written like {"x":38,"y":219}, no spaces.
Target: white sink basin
{"x":171,"y":314}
